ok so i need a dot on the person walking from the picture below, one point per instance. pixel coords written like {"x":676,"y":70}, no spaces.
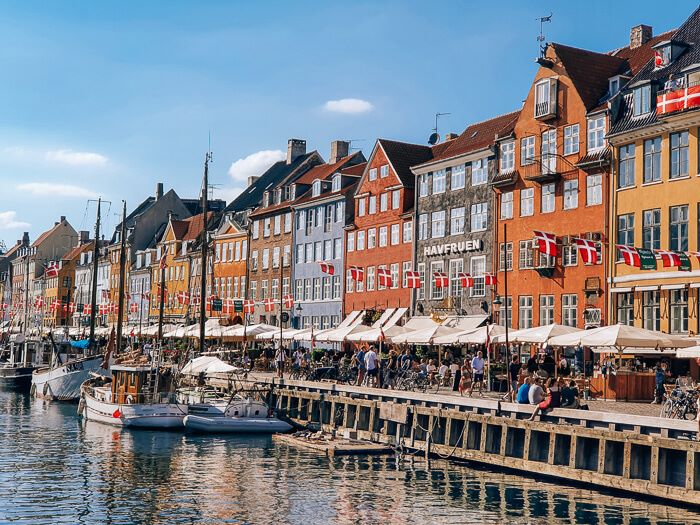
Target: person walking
{"x":513,"y":374}
{"x":280,"y":358}
{"x":478,"y":365}
{"x":371,"y":364}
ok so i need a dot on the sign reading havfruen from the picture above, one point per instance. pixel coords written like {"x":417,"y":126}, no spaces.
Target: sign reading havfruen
{"x":472,"y":245}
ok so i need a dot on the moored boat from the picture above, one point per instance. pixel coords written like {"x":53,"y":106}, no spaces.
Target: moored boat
{"x":62,"y":382}
{"x":239,"y":415}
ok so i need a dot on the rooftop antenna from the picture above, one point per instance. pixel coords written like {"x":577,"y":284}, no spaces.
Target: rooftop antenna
{"x":540,"y":38}
{"x":351,"y":148}
{"x":435,"y":136}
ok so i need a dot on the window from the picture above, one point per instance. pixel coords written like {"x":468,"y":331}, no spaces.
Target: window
{"x":337,"y":248}
{"x":570,"y":194}
{"x":651,"y":229}
{"x":349,"y":282}
{"x":263,"y":289}
{"x":548,"y":195}
{"x":420,"y":295}
{"x":372,"y":204}
{"x":383,"y":236}
{"x":254,"y":290}
{"x":652,"y":160}
{"x":679,"y":311}
{"x":317,"y":289}
{"x":642,"y":100}
{"x":370,"y":278}
{"x":678,"y":228}
{"x":254,"y":260}
{"x":549,"y":151}
{"x":480,"y":172}
{"x":361,"y":240}
{"x":336,"y":286}
{"x":404,"y":275}
{"x":256,"y":231}
{"x":266,"y":259}
{"x":301,"y":219}
{"x":679,"y":154}
{"x":395,"y":234}
{"x":624,"y":306}
{"x":371,"y":238}
{"x":438,"y":224}
{"x":527,"y":150}
{"x":310,"y":221}
{"x":373,"y":174}
{"x":456,"y":267}
{"x":394,"y":269}
{"x":651,"y":312}
{"x":571,"y":139}
{"x":384,"y":171}
{"x":457,"y":177}
{"x":525,"y":311}
{"x":308,"y":296}
{"x":309,"y":252}
{"x":546,"y":309}
{"x":527,"y":202}
{"x":613,"y":86}
{"x":596,"y":133}
{"x":336,"y":184}
{"x":479,"y":217}
{"x":478,"y":267}
{"x":275,"y":257}
{"x":395,"y":199}
{"x":328,"y":223}
{"x":266,"y":227}
{"x":569,"y":309}
{"x":326,"y":288}
{"x":625,"y":176}
{"x":424,"y":185}
{"x":384,"y":202}
{"x":457,"y":220}
{"x":507,"y":205}
{"x":275,"y":288}
{"x":327,"y":250}
{"x":361,"y":204}
{"x":351,"y":241}
{"x":439,"y":181}
{"x":278,"y":224}
{"x":525,"y":257}
{"x":300,"y":253}
{"x":625,"y":229}
{"x":407,"y":231}
{"x":545,"y":97}
{"x":507,"y":161}
{"x":505,"y":312}
{"x":570,"y":255}
{"x":340,"y":211}
{"x":594,"y":189}
{"x":505,"y":259}
{"x":318,"y":251}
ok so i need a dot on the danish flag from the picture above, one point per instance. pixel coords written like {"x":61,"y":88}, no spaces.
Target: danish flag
{"x":357,"y":273}
{"x":327,"y":267}
{"x":183,"y":298}
{"x":55,"y":305}
{"x":52,"y":269}
{"x":412,"y":279}
{"x":288,"y":300}
{"x":248,"y":306}
{"x":466,"y":280}
{"x":71,"y":307}
{"x":269,"y":304}
{"x":630,"y":255}
{"x":384,"y":277}
{"x":441,"y":280}
{"x":489,"y":279}
{"x":163,"y":262}
{"x":546,"y":242}
{"x":668,"y":259}
{"x":587,"y":250}
{"x":87,"y":309}
{"x":38,"y":304}
{"x":146,"y":296}
{"x":133,"y":308}
{"x":104,"y":309}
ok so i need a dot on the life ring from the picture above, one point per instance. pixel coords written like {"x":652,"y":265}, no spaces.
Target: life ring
{"x":129,"y":399}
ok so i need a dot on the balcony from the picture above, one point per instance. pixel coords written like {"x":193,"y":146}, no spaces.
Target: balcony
{"x":505,"y":178}
{"x":678,"y":99}
{"x":546,"y":168}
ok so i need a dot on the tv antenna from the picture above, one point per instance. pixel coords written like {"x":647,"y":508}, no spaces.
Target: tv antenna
{"x":434,"y":136}
{"x":351,"y":147}
{"x":540,"y":38}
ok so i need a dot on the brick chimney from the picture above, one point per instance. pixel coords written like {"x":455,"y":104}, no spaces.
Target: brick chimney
{"x":339,"y":149}
{"x":640,"y":35}
{"x":295,"y":148}
{"x":159,"y":191}
{"x":83,"y":237}
{"x":25,"y":238}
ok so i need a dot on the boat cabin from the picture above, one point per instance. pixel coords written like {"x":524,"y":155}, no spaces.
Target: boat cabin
{"x":130,"y":383}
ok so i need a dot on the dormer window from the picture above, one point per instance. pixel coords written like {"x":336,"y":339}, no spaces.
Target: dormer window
{"x":662,"y":56}
{"x":316,"y":188}
{"x":266,"y":199}
{"x":642,"y":100}
{"x":278,"y":195}
{"x":292,"y":192}
{"x":336,"y":183}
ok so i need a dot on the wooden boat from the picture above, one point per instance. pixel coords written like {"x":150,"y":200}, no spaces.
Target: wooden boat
{"x":62,"y":382}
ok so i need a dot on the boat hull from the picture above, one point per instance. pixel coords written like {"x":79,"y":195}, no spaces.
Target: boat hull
{"x":63,"y":383}
{"x":235,"y":425}
{"x":138,"y":415}
{"x":17,"y":378}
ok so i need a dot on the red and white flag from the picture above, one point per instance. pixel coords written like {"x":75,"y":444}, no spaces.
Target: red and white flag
{"x":104,"y":309}
{"x":288,"y":300}
{"x":441,"y":280}
{"x":163,"y":262}
{"x":87,"y":309}
{"x":357,"y":273}
{"x":248,"y":306}
{"x":38,"y":304}
{"x":269,"y":304}
{"x":490,"y":279}
{"x":466,"y":280}
{"x":183,"y":298}
{"x":587,"y":250}
{"x":327,"y":267}
{"x":71,"y":307}
{"x":146,"y":296}
{"x":412,"y":279}
{"x":55,"y":305}
{"x":546,"y":242}
{"x":668,"y":259}
{"x":384,"y":277}
{"x":629,"y":255}
{"x":51,"y":269}
{"x":133,"y":308}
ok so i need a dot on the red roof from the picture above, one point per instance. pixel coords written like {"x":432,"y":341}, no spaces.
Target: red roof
{"x":189,"y":229}
{"x":636,"y":58}
{"x":75,"y":252}
{"x":355,"y":171}
{"x":322,"y":171}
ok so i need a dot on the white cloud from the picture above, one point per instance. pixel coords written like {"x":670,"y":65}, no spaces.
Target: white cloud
{"x":57,"y":190}
{"x":76,"y":158}
{"x":8,"y":221}
{"x":348,"y":105}
{"x":254,"y":164}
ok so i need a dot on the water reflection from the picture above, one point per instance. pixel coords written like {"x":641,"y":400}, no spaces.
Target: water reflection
{"x":54,"y":469}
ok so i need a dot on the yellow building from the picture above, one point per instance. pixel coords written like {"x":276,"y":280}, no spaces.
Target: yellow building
{"x":656,"y":188}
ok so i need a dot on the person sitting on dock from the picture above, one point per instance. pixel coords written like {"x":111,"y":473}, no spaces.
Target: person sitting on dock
{"x":552,"y":400}
{"x":522,"y":396}
{"x":478,"y":365}
{"x":431,"y":370}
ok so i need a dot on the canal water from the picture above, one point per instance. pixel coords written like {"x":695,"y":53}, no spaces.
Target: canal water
{"x":54,"y":469}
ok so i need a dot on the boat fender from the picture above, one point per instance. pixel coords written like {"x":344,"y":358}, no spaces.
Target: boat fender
{"x":129,"y":399}
{"x":32,"y":390}
{"x":46,"y":388}
{"x":81,"y":406}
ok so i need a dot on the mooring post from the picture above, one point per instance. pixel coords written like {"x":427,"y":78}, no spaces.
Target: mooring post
{"x":427,"y":447}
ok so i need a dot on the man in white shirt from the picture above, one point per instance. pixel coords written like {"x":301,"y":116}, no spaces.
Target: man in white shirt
{"x":280,"y":357}
{"x":478,"y":365}
{"x":372,"y":368}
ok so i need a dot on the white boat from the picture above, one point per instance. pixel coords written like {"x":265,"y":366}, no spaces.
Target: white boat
{"x":62,"y":382}
{"x":239,"y":415}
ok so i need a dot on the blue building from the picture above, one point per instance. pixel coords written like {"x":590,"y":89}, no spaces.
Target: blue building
{"x":321,"y":213}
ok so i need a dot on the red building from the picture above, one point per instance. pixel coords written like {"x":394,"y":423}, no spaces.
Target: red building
{"x":380,"y":241}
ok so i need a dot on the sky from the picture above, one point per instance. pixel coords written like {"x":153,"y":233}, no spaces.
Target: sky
{"x":108,"y":98}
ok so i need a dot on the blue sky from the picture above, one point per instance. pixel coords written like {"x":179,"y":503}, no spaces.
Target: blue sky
{"x":108,"y":98}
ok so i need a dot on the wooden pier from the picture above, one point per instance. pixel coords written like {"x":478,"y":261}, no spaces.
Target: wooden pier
{"x":643,"y":455}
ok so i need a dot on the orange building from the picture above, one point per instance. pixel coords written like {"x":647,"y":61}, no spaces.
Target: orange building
{"x":229,"y":270}
{"x":58,"y":303}
{"x":381,"y":238}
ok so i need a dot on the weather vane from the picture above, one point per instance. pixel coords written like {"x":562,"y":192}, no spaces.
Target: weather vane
{"x":540,"y":38}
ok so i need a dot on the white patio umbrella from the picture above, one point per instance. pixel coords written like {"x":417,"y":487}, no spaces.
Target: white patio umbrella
{"x":250,"y":332}
{"x":621,"y":336}
{"x":274,"y":335}
{"x":536,"y":335}
{"x":692,"y":352}
{"x":177,"y":332}
{"x":475,"y":336}
{"x":425,"y":336}
{"x":373,"y":334}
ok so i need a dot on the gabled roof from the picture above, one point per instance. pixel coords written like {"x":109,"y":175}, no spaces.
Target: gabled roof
{"x":13,"y":250}
{"x":354,"y":171}
{"x":189,"y":229}
{"x":323,"y":171}
{"x":329,"y":195}
{"x":75,"y":252}
{"x":403,"y":155}
{"x":47,"y":234}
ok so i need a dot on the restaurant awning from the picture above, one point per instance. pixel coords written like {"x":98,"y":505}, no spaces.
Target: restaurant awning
{"x":621,"y":336}
{"x":537,"y":334}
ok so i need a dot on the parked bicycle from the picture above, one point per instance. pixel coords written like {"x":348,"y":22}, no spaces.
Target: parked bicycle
{"x":680,"y":404}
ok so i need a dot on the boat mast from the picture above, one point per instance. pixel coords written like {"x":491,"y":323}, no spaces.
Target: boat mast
{"x":26,"y":305}
{"x":205,"y":246}
{"x":122,"y":278}
{"x":93,"y":292}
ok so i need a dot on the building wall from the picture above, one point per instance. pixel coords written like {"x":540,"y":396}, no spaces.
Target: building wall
{"x":230,"y":256}
{"x":139,"y":288}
